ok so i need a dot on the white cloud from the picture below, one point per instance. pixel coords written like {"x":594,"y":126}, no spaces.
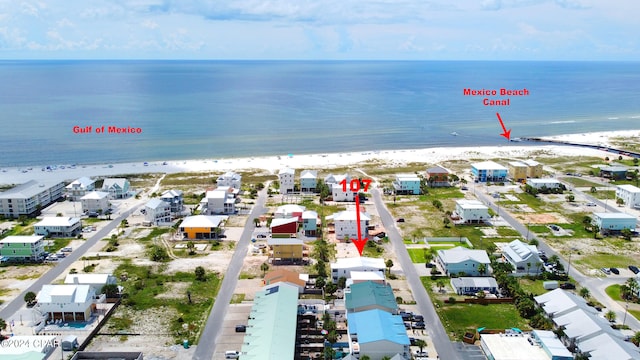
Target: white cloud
{"x":149,"y":24}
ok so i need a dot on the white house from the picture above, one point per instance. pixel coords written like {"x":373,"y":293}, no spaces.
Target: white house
{"x":407,"y":184}
{"x":79,"y":188}
{"x":157,"y":212}
{"x":58,"y":226}
{"x":95,"y":281}
{"x":175,"y":199}
{"x":340,"y":186}
{"x":471,"y":211}
{"x":118,"y":188}
{"x":308,"y":180}
{"x":344,"y":266}
{"x":286,"y":177}
{"x":614,"y":222}
{"x":346,"y":224}
{"x":523,"y":257}
{"x":629,"y":194}
{"x":95,"y":201}
{"x":289,"y":211}
{"x":231,"y":179}
{"x":461,"y":260}
{"x":488,"y":171}
{"x":337,"y":179}
{"x":221,"y":200}
{"x":548,"y":183}
{"x":66,"y":302}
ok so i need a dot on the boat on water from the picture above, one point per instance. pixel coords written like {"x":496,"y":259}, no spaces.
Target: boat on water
{"x":454,"y":133}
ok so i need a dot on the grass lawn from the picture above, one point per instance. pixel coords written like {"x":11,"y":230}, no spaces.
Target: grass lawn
{"x":614,"y":292}
{"x":442,"y":193}
{"x":580,"y":182}
{"x":417,"y":255}
{"x":144,"y":283}
{"x":507,"y":231}
{"x":532,"y":286}
{"x":601,"y":259}
{"x":604,"y":195}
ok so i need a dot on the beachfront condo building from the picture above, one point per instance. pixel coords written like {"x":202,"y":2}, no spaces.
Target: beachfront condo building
{"x":95,"y":202}
{"x":79,"y":188}
{"x":286,"y":177}
{"x":534,"y":168}
{"x":231,"y":179}
{"x":488,"y":171}
{"x":29,"y":198}
{"x":308,"y":181}
{"x":58,"y":226}
{"x":407,"y":184}
{"x":118,"y":188}
{"x":22,"y":248}
{"x":517,"y":170}
{"x":629,"y":194}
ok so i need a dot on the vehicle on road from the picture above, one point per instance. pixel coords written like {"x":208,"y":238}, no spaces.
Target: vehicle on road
{"x":231,"y":354}
{"x":241,"y":328}
{"x":591,"y":204}
{"x":634,"y":269}
{"x":400,"y":220}
{"x":429,"y":265}
{"x":223,"y":236}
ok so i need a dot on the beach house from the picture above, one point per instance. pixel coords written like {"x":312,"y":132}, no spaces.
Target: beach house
{"x":344,"y":266}
{"x":95,"y":281}
{"x":546,"y":184}
{"x":470,"y":211}
{"x":472,"y":285}
{"x":231,"y":179}
{"x":22,"y":248}
{"x":284,"y":226}
{"x":288,"y":249}
{"x":463,"y":261}
{"x":310,"y":223}
{"x":286,"y":178}
{"x":66,"y":302}
{"x":377,"y":334}
{"x":346,"y":223}
{"x":438,"y":176}
{"x":629,"y":194}
{"x":289,"y":211}
{"x":118,"y":188}
{"x":157,"y":212}
{"x":58,"y":226}
{"x":488,"y":171}
{"x":308,"y":181}
{"x":79,"y":188}
{"x":29,"y":198}
{"x":199,"y":227}
{"x":534,"y":168}
{"x":340,"y":186}
{"x":407,"y":184}
{"x":286,"y":276}
{"x":614,"y":222}
{"x":95,"y":202}
{"x":615,"y":172}
{"x":369,"y":295}
{"x":175,"y":199}
{"x":517,"y":170}
{"x":523,"y":257}
{"x":222,"y":200}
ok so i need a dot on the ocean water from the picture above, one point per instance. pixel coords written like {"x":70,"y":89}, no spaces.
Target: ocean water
{"x":222,"y":109}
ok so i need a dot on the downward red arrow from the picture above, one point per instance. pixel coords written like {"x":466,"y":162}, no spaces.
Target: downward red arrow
{"x":359,"y":242}
{"x":506,"y":133}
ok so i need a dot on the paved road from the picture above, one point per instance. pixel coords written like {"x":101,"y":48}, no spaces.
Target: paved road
{"x":595,"y":285}
{"x":207,"y":344}
{"x":435,"y":329}
{"x":62,"y":265}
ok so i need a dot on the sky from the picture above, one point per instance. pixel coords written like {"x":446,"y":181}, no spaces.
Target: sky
{"x":321,"y":29}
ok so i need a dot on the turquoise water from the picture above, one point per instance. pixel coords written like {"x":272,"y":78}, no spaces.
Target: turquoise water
{"x":216,"y":109}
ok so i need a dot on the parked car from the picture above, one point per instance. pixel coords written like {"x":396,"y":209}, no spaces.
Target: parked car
{"x":223,"y":236}
{"x":634,"y":269}
{"x":543,"y":257}
{"x":400,"y":220}
{"x":605,"y":270}
{"x":412,"y":341}
{"x":421,"y":354}
{"x":567,"y":286}
{"x":261,"y":236}
{"x":231,"y":354}
{"x":407,"y":325}
{"x":418,"y":318}
{"x":591,"y":204}
{"x":614,"y":270}
{"x":406,"y":315}
{"x":419,"y":325}
{"x":429,"y":265}
{"x":241,"y":328}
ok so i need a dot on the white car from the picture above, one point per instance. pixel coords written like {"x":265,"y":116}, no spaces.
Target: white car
{"x":421,"y":354}
{"x":231,"y":354}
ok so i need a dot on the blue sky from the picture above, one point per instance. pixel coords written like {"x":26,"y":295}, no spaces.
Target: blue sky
{"x":321,"y":29}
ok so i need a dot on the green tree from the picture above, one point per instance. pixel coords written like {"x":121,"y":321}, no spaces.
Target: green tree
{"x":636,"y":336}
{"x":256,"y":222}
{"x":30,"y":297}
{"x":200,"y":274}
{"x":421,"y":344}
{"x":440,"y":284}
{"x":620,"y":201}
{"x":586,"y":221}
{"x":321,"y":268}
{"x":3,"y":325}
{"x":191,"y":247}
{"x":320,"y":282}
{"x":110,"y":290}
{"x":437,"y":204}
{"x":593,"y":190}
{"x":610,"y":316}
{"x":158,"y":253}
{"x":365,"y":357}
{"x":596,"y":229}
{"x":264,"y":267}
{"x":584,"y":293}
{"x":389,"y":265}
{"x":342,"y":282}
{"x":447,"y":222}
{"x":482,"y":269}
{"x":570,"y":198}
{"x":330,"y":288}
{"x":626,"y":234}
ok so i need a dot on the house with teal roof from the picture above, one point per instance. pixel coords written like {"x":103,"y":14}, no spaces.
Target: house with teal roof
{"x":369,"y":295}
{"x":377,"y":333}
{"x":271,"y":331}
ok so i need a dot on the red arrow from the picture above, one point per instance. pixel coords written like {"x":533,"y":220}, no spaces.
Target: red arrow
{"x":359,"y":242}
{"x":506,"y":133}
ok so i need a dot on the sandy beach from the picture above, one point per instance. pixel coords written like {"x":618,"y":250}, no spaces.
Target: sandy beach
{"x":320,"y":161}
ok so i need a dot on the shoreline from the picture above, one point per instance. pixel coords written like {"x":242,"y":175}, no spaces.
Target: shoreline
{"x":432,"y":155}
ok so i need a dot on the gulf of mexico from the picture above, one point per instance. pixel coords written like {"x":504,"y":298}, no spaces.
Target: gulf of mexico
{"x":206,"y":109}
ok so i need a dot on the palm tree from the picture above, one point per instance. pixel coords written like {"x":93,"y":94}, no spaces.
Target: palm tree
{"x":528,"y":267}
{"x":440,"y":284}
{"x":421,"y":344}
{"x":586,"y":221}
{"x":264,"y":267}
{"x":389,"y":265}
{"x":482,"y":268}
{"x":610,"y":315}
{"x":585,"y":293}
{"x":636,"y":338}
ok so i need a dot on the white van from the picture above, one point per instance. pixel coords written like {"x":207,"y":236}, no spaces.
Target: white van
{"x":231,"y":354}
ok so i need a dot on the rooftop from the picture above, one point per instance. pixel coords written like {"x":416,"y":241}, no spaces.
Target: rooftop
{"x":22,"y":239}
{"x":359,"y":262}
{"x":284,"y":241}
{"x":460,"y":254}
{"x":28,"y":190}
{"x":470,"y":204}
{"x":283,"y":221}
{"x":287,"y":171}
{"x":79,"y":293}
{"x":309,"y":174}
{"x":349,"y":215}
{"x":204,"y":221}
{"x":559,"y":301}
{"x":57,"y":221}
{"x":370,"y":293}
{"x":375,"y":325}
{"x":89,"y":279}
{"x":629,"y":188}
{"x":156,"y":203}
{"x":488,"y":165}
{"x":95,"y":195}
{"x":513,"y":347}
{"x":519,"y":251}
{"x":611,"y":215}
{"x":471,"y":282}
{"x":82,"y":182}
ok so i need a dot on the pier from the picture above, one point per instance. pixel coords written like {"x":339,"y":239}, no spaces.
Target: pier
{"x":598,"y":147}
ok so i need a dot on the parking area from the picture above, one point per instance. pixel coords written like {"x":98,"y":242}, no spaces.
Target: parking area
{"x":229,"y":339}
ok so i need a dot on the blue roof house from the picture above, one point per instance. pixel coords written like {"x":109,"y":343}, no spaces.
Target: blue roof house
{"x":377,"y":333}
{"x":369,"y":295}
